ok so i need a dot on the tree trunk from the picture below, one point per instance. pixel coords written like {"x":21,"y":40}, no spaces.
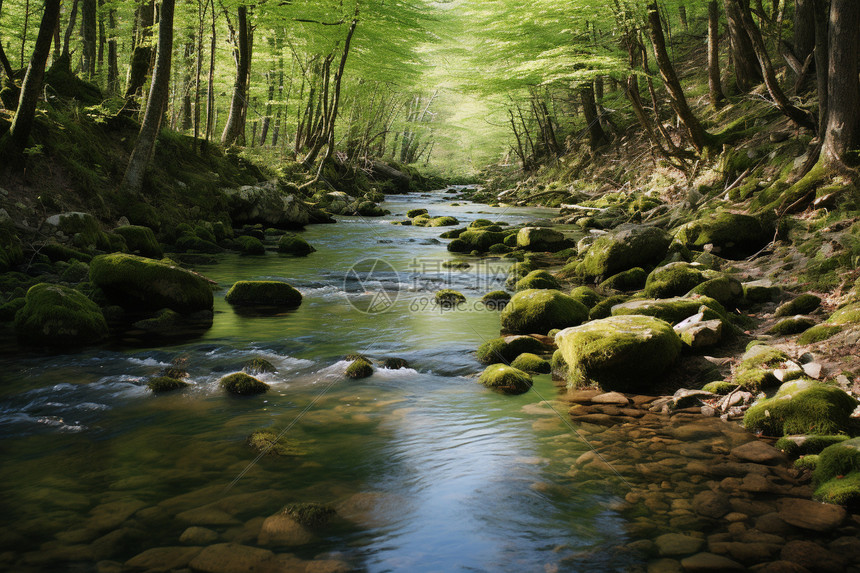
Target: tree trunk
{"x":596,"y":136}
{"x":715,"y":90}
{"x":747,"y":70}
{"x":804,"y":28}
{"x":24,"y":32}
{"x":682,"y":15}
{"x":822,"y":35}
{"x":113,"y":64}
{"x":4,"y":61}
{"x":158,"y":94}
{"x":100,"y":59}
{"x":31,"y":87}
{"x":89,"y":28}
{"x":73,"y":15}
{"x":264,"y":130}
{"x":800,"y":117}
{"x":842,"y":136}
{"x":210,"y":85}
{"x":694,"y":129}
{"x":234,"y":130}
{"x":141,"y":55}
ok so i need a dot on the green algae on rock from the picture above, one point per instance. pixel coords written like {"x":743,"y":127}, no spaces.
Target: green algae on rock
{"x":506,"y":379}
{"x":54,"y":315}
{"x":791,"y":325}
{"x":496,"y":300}
{"x":796,"y":446}
{"x":528,"y":362}
{"x":631,"y":279}
{"x":539,"y":239}
{"x":819,"y":333}
{"x":837,"y":474}
{"x":673,"y":310}
{"x":804,"y":304}
{"x":586,"y":295}
{"x":263,"y":293}
{"x":249,"y":245}
{"x":258,"y":366}
{"x":310,"y":514}
{"x":675,"y":279}
{"x":269,"y":443}
{"x":242,"y":384}
{"x":620,"y":352}
{"x":140,"y":283}
{"x":540,"y":310}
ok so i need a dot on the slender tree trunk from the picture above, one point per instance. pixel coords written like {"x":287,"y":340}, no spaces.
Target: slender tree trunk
{"x":31,"y":87}
{"x":694,"y":129}
{"x":113,"y":63}
{"x":715,"y":90}
{"x":234,"y":130}
{"x":57,"y":44}
{"x":842,"y":136}
{"x":804,"y":28}
{"x":155,"y":106}
{"x":70,"y":27}
{"x":4,"y":61}
{"x":210,"y":85}
{"x":24,"y":32}
{"x":264,"y":130}
{"x":141,"y":55}
{"x":100,"y":59}
{"x":747,"y":70}
{"x":90,"y":36}
{"x":596,"y":136}
{"x":198,"y":68}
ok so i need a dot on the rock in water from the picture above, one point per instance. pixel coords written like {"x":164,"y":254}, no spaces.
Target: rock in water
{"x":540,"y":310}
{"x":263,"y":293}
{"x":55,"y":315}
{"x":539,"y":239}
{"x":268,"y":204}
{"x":623,"y":353}
{"x":506,"y":379}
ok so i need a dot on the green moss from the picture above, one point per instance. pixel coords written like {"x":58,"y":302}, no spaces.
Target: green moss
{"x":539,"y":279}
{"x":720,"y":387}
{"x":478,"y":223}
{"x":443,"y":222}
{"x":11,"y":253}
{"x":76,"y":272}
{"x":631,"y":279}
{"x":842,"y":490}
{"x":540,"y":239}
{"x":55,"y":315}
{"x":479,"y":240}
{"x":459,"y":265}
{"x":838,"y":459}
{"x":558,"y":364}
{"x":727,"y":291}
{"x":793,"y":325}
{"x":250,"y":245}
{"x":762,"y":356}
{"x":242,"y":384}
{"x":674,"y":279}
{"x":755,"y":379}
{"x":507,"y":348}
{"x":619,"y":352}
{"x":395,"y":363}
{"x":846,"y":315}
{"x":269,"y":443}
{"x":11,"y":308}
{"x":165,"y":384}
{"x":263,"y":293}
{"x":796,"y":446}
{"x":453,"y":233}
{"x":603,"y":308}
{"x":818,"y":333}
{"x":806,"y":462}
{"x":140,"y":241}
{"x":626,"y":249}
{"x":541,"y":310}
{"x":258,"y":366}
{"x":312,"y":515}
{"x":496,"y":300}
{"x":672,"y":310}
{"x":458,"y":246}
{"x":804,"y":304}
{"x":412,"y":213}
{"x":510,"y":241}
{"x":801,"y":409}
{"x":734,"y":235}
{"x":58,"y":252}
{"x":528,"y":362}
{"x":359,"y":368}
{"x":506,"y":379}
{"x":760,"y":292}
{"x":586,"y":295}
{"x":449,"y":298}
{"x":164,"y":321}
{"x":294,"y":245}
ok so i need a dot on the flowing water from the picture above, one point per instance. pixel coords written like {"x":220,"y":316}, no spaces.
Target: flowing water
{"x":435,"y":472}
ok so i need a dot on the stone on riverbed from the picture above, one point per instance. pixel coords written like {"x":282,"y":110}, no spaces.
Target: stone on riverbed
{"x":263,"y":293}
{"x":541,"y":310}
{"x":696,"y":332}
{"x":241,"y":384}
{"x":622,"y":353}
{"x":506,"y":379}
{"x":811,"y":514}
{"x":802,"y":407}
{"x":670,"y":544}
{"x":673,"y":310}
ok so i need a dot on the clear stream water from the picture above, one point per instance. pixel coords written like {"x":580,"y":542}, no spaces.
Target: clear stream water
{"x":453,"y":477}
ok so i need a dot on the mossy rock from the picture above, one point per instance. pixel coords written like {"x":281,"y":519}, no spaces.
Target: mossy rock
{"x":720,"y":387}
{"x":796,"y":446}
{"x":806,"y":462}
{"x":242,"y":384}
{"x":540,"y":239}
{"x":510,"y":241}
{"x":161,"y":384}
{"x":57,"y":252}
{"x":517,"y":271}
{"x":85,"y":230}
{"x":189,"y":243}
{"x":819,"y":333}
{"x":499,"y":249}
{"x":801,"y":408}
{"x":842,"y":490}
{"x":674,"y":279}
{"x":587,"y":296}
{"x":792,"y":325}
{"x":449,"y":298}
{"x":458,"y":246}
{"x":263,"y":293}
{"x":412,"y":213}
{"x":558,"y":364}
{"x":631,"y":279}
{"x":164,"y":322}
{"x":762,"y":356}
{"x":528,"y":362}
{"x":458,"y":265}
{"x":269,"y":443}
{"x":728,"y":291}
{"x":539,"y":279}
{"x":443,"y":222}
{"x":804,"y":304}
{"x":636,"y":246}
{"x":672,"y":310}
{"x":755,"y":379}
{"x":140,"y":283}
{"x":76,"y":272}
{"x":311,"y":515}
{"x":140,"y":241}
{"x":58,"y":316}
{"x":620,"y":352}
{"x":360,"y":368}
{"x":452,"y":234}
{"x":294,"y":245}
{"x":733,"y":235}
{"x":506,"y":379}
{"x":10,"y":309}
{"x":541,"y":310}
{"x":603,"y":309}
{"x":496,"y":300}
{"x":846,"y":315}
{"x":395,"y":363}
{"x":249,"y":245}
{"x":756,"y":292}
{"x":479,"y":240}
{"x":11,"y":252}
{"x":507,"y":348}
{"x":837,"y":474}
{"x":258,"y":366}
{"x":478,"y":223}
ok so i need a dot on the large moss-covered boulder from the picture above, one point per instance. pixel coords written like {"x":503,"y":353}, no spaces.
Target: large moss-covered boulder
{"x":586,"y":295}
{"x":445,"y":221}
{"x":634,"y":246}
{"x":631,"y":279}
{"x":146,"y":284}
{"x":55,"y":315}
{"x":537,"y":279}
{"x":624,"y":353}
{"x":849,"y":314}
{"x":674,"y":279}
{"x":507,"y":348}
{"x":506,"y":379}
{"x":294,"y":245}
{"x":263,"y":293}
{"x":837,"y":474}
{"x":541,"y":310}
{"x":449,"y":298}
{"x":802,"y":407}
{"x":803,"y":304}
{"x":140,"y":241}
{"x":540,"y":239}
{"x":269,"y":204}
{"x":726,"y":290}
{"x":672,"y":310}
{"x":733,"y":235}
